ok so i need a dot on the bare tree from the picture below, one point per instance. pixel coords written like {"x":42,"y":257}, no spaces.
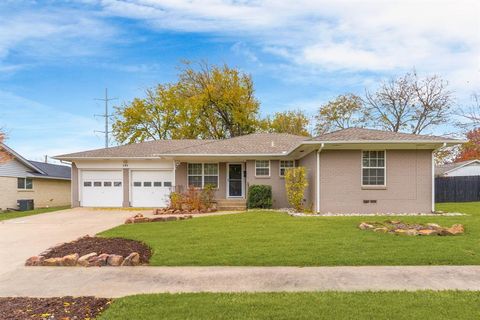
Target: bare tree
{"x":472,"y":113}
{"x":410,"y":103}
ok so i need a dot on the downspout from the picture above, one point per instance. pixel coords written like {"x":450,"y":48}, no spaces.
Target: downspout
{"x":317,"y":202}
{"x":433,"y":175}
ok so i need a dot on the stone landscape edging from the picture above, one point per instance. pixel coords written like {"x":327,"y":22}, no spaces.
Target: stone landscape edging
{"x":88,"y":260}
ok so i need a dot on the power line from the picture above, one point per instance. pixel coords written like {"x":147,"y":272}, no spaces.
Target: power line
{"x":106,"y":115}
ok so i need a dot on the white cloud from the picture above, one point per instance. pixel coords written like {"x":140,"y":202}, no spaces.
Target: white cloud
{"x":35,"y":130}
{"x":355,"y":36}
{"x":52,"y":33}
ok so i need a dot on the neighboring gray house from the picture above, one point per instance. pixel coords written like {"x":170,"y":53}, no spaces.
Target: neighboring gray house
{"x":351,"y":170}
{"x":459,"y":169}
{"x":46,"y":184}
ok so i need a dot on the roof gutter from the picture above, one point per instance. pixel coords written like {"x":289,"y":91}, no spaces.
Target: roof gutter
{"x":318,"y":178}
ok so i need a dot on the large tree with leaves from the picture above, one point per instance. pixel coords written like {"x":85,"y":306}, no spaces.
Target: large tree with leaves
{"x":292,"y":121}
{"x":345,"y":111}
{"x":471,"y":149}
{"x":410,"y":103}
{"x":207,"y":102}
{"x":157,"y":116}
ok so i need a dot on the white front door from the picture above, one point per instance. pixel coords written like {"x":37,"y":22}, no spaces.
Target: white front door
{"x":151,"y":188}
{"x":235,"y":180}
{"x":101,"y":188}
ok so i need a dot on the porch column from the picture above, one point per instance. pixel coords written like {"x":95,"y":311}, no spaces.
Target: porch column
{"x":126,"y":188}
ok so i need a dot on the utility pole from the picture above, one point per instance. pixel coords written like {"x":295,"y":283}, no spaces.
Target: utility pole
{"x":106,"y":115}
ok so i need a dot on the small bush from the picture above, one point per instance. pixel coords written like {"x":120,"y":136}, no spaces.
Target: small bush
{"x":295,"y":183}
{"x":175,"y":200}
{"x":259,"y":196}
{"x":207,"y":195}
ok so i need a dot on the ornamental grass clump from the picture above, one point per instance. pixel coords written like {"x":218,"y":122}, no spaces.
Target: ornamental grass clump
{"x":295,"y":185}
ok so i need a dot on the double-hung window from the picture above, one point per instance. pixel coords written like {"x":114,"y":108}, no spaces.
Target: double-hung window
{"x":286,"y":164}
{"x":25,"y":183}
{"x":373,"y":168}
{"x":202,"y":174}
{"x":262,"y":168}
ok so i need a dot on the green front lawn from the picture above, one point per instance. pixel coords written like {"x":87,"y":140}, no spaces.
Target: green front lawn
{"x":314,"y":305}
{"x":276,"y":239}
{"x":20,"y":214}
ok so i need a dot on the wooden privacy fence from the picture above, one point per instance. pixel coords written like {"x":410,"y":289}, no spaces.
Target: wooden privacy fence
{"x":457,"y":189}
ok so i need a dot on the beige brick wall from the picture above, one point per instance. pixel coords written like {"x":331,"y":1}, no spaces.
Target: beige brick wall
{"x":8,"y":192}
{"x":409,"y":182}
{"x":45,"y":193}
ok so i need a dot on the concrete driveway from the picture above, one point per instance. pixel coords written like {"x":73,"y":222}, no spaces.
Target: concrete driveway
{"x":22,"y":238}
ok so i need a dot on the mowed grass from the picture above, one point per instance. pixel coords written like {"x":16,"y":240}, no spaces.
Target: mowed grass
{"x":20,"y":214}
{"x":276,"y":239}
{"x":314,"y":305}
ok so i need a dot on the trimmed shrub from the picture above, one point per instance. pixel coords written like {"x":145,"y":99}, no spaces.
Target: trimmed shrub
{"x":295,"y":183}
{"x":259,"y":196}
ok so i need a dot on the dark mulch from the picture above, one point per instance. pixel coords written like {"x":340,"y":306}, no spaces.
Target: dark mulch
{"x":65,"y":308}
{"x":87,"y":245}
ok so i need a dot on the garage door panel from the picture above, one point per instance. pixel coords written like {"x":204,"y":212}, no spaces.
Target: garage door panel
{"x":102,"y":188}
{"x":151,"y":188}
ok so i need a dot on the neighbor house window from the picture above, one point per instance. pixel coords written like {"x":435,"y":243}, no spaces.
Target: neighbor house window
{"x":25,"y":183}
{"x":202,"y":174}
{"x":373,"y":168}
{"x":262,"y":168}
{"x":285,"y":165}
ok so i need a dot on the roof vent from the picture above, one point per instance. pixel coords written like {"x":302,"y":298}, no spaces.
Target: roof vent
{"x":273,"y":144}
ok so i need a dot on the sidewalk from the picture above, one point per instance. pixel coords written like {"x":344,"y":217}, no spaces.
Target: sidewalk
{"x":122,"y":281}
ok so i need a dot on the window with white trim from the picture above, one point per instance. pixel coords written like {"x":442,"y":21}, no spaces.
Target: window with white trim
{"x":201,"y":174}
{"x":262,"y":168}
{"x":286,"y":164}
{"x":373,"y":168}
{"x":25,"y":183}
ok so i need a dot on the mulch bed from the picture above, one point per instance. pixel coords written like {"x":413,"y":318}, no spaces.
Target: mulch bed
{"x":88,"y":244}
{"x":64,"y":308}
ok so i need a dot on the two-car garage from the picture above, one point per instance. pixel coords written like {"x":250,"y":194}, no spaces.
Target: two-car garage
{"x":134,"y":187}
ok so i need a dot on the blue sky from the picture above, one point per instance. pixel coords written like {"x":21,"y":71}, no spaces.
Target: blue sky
{"x":56,"y":57}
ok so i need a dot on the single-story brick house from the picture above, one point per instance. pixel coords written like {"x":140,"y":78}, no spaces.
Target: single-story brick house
{"x":350,"y":170}
{"x":48,"y":185}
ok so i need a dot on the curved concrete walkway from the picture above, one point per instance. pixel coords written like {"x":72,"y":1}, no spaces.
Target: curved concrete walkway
{"x":117,"y":282}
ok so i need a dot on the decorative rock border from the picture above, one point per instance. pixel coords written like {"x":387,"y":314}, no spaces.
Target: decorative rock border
{"x":401,"y":228}
{"x":171,"y":211}
{"x":331,"y":214}
{"x":89,"y":260}
{"x":140,"y":218}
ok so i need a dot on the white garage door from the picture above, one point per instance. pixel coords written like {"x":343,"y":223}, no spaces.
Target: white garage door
{"x":102,"y":188}
{"x":151,"y":188}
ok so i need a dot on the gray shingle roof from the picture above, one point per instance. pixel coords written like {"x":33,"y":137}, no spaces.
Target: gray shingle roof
{"x":257,"y":143}
{"x":252,"y":144}
{"x":441,"y":169}
{"x":52,"y":170}
{"x":362,"y":134}
{"x":143,"y":149}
